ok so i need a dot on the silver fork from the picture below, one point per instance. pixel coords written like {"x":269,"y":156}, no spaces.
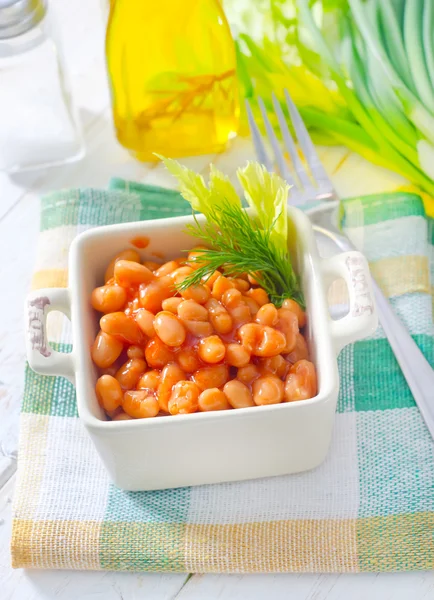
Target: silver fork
{"x":314,"y":186}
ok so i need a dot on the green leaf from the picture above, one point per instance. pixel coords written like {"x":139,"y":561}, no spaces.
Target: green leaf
{"x":191,"y":185}
{"x":222,"y":191}
{"x":236,"y":243}
{"x":428,"y":37}
{"x":393,"y":40}
{"x":267,"y":194}
{"x":413,"y":39}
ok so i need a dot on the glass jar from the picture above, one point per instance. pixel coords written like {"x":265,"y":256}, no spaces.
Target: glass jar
{"x":38,"y":121}
{"x":172,"y":69}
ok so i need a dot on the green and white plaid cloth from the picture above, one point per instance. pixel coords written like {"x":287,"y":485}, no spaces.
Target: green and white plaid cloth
{"x":368,"y":507}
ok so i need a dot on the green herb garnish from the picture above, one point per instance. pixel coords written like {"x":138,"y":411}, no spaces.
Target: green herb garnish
{"x":238,"y":243}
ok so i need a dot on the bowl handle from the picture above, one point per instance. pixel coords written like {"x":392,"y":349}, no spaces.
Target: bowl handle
{"x":362,"y":319}
{"x":40,"y":355}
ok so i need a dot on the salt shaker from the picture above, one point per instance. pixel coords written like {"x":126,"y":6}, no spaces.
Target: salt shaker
{"x":39,"y":126}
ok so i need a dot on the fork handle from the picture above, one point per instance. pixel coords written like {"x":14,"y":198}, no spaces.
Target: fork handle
{"x":414,"y":366}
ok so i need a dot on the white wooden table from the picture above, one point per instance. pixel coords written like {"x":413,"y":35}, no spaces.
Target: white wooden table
{"x":81,"y":25}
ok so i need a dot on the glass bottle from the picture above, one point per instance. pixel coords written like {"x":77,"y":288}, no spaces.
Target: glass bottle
{"x":38,"y":122}
{"x":172,"y":70}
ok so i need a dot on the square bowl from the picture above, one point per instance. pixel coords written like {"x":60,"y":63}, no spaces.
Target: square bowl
{"x":208,"y":447}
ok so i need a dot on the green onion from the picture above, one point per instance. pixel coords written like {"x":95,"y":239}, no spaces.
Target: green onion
{"x":360,"y":71}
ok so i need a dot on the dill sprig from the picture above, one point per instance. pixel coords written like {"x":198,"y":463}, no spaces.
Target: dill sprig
{"x":239,"y":245}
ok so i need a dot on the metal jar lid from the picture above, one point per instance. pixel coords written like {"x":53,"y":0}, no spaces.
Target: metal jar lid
{"x":19,"y":16}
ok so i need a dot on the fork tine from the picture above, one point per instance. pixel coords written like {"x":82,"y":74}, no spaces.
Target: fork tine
{"x":278,"y":154}
{"x":317,"y":170}
{"x":290,"y":145}
{"x":258,"y":142}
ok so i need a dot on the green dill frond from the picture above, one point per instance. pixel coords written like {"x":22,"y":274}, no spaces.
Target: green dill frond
{"x":238,"y":245}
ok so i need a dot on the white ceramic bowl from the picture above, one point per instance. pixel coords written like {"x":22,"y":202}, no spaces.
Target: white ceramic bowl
{"x":208,"y":447}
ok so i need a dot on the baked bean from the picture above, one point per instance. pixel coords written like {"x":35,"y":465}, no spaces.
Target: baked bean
{"x":249,"y":335}
{"x":213,"y":399}
{"x":184,"y":398}
{"x":288,"y":325}
{"x":170,"y":375}
{"x":237,"y":355}
{"x":210,"y":377}
{"x":188,"y":360}
{"x":169,"y":328}
{"x":199,"y":293}
{"x":151,"y":265}
{"x":221,"y":322}
{"x":219,"y":316}
{"x":108,"y":298}
{"x":220,"y":286}
{"x":199,"y":329}
{"x":252,"y":278}
{"x":248,"y":374}
{"x":132,"y":255}
{"x":157,"y":354}
{"x":152,"y":295}
{"x":237,"y":308}
{"x":231,"y":298}
{"x":271,"y":342}
{"x":129,"y":273}
{"x":301,"y":382}
{"x":241,"y":284}
{"x":196,"y":259}
{"x":109,"y":392}
{"x":259,"y":295}
{"x":166,"y":269}
{"x":267,"y":315}
{"x":300,"y":351}
{"x":122,"y":326}
{"x":240,"y":314}
{"x":276,"y":365}
{"x":129,"y":373}
{"x":139,"y":405}
{"x":122,"y":416}
{"x":171,"y":304}
{"x":145,"y":320}
{"x":111,"y":370}
{"x":135,"y":352}
{"x":293,"y":306}
{"x":267,"y":390}
{"x":149,"y":381}
{"x":105,"y":350}
{"x":238,"y":394}
{"x":252,"y":304}
{"x":211,"y":279}
{"x":180,"y":274}
{"x":189,"y":310}
{"x":211,"y":349}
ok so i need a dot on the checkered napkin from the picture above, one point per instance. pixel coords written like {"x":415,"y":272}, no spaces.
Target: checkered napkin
{"x":368,"y":507}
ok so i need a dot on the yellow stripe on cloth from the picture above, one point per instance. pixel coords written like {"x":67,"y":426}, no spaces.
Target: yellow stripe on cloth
{"x":402,"y":274}
{"x":50,"y":278}
{"x":55,"y":544}
{"x":277,"y":546}
{"x":384,"y":543}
